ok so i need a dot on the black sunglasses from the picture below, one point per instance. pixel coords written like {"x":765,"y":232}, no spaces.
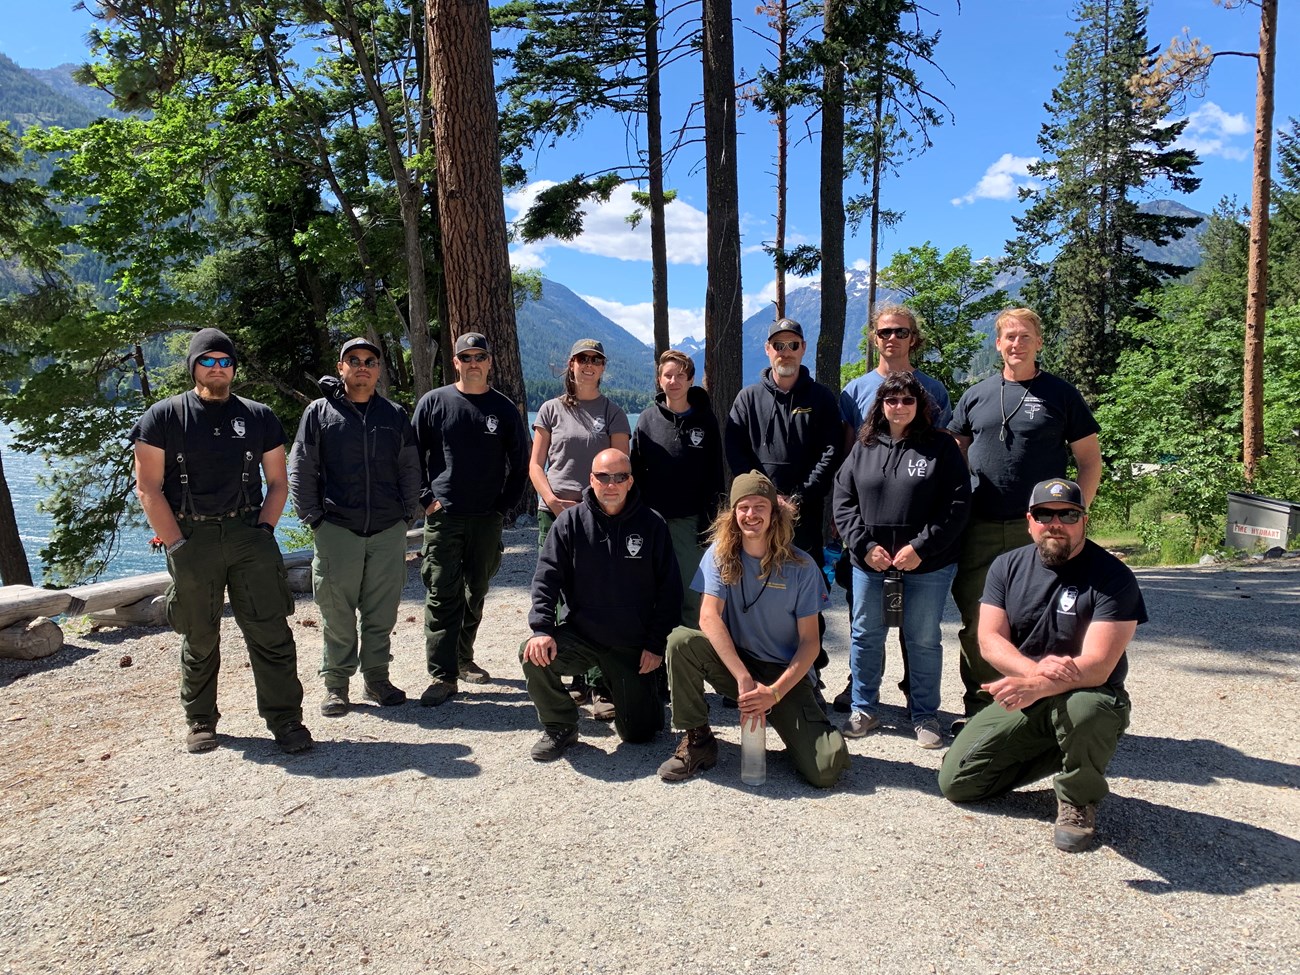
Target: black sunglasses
{"x":618,"y":477}
{"x":589,"y":359}
{"x":900,"y":400}
{"x":222,"y":361}
{"x":896,"y":333}
{"x":355,"y":362}
{"x":793,"y":346}
{"x":473,"y":357}
{"x":1045,"y":516}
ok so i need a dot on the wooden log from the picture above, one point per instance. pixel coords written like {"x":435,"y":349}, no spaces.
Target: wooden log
{"x":31,"y":640}
{"x":300,"y":578}
{"x":150,"y":611}
{"x":27,"y":602}
{"x":99,"y":597}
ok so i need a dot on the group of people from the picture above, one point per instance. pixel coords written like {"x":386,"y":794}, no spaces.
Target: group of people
{"x":654,"y":580}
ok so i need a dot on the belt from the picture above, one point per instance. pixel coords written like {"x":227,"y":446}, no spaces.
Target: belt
{"x":239,"y":512}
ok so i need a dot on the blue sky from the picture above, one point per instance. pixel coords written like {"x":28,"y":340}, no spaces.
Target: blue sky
{"x":1001,"y":57}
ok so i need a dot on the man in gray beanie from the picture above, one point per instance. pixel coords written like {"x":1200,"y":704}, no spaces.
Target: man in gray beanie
{"x":200,"y":458}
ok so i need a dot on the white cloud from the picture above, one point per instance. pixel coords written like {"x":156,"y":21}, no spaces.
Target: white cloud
{"x":606,"y":232}
{"x":1209,"y":130}
{"x":639,"y":319}
{"x":528,"y":257}
{"x":1001,"y":181}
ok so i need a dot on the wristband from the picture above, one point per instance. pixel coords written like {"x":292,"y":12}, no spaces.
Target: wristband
{"x":176,"y":544}
{"x":776,"y":694}
{"x":267,"y":527}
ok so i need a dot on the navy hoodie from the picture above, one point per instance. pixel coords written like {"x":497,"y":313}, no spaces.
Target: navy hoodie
{"x":904,"y":492}
{"x":677,"y":459}
{"x":616,"y":574}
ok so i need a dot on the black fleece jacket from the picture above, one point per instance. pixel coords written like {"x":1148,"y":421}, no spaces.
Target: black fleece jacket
{"x":677,"y":460}
{"x":793,"y":436}
{"x":616,"y":574}
{"x":904,"y":492}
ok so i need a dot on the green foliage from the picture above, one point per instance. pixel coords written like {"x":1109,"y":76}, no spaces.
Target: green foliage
{"x":949,"y":293}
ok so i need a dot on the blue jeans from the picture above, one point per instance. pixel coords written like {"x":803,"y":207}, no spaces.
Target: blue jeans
{"x":923,"y":597}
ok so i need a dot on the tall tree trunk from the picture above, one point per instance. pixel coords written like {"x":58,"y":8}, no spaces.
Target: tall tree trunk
{"x":782,"y":153}
{"x":1252,"y":401}
{"x":14,"y":570}
{"x":471,"y":208}
{"x":655,"y":162}
{"x":874,"y":260}
{"x":830,"y":344}
{"x":723,"y":305}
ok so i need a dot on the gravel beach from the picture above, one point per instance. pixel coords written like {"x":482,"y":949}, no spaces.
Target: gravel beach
{"x":426,"y":840}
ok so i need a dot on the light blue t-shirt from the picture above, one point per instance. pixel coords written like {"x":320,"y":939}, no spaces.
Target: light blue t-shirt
{"x":860,"y":393}
{"x":769,"y":628}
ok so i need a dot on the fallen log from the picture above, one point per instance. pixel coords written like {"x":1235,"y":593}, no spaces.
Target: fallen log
{"x":150,"y":611}
{"x":31,"y":640}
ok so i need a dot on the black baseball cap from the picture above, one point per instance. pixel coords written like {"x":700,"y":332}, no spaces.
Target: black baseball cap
{"x":785,"y":325}
{"x":1057,"y":491}
{"x":472,"y":340}
{"x":359,"y":343}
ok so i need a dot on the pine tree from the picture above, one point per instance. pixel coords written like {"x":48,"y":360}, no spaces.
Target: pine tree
{"x":1103,"y":149}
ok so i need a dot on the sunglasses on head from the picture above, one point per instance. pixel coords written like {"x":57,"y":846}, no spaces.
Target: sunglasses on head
{"x":472,"y":357}
{"x":617,"y":477}
{"x":900,"y":400}
{"x":208,"y":361}
{"x":356,"y":362}
{"x":894,"y":333}
{"x":1045,"y":516}
{"x":793,"y":345}
{"x":589,"y":359}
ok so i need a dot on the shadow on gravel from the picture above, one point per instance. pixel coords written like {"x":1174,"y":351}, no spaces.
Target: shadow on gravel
{"x":361,"y":759}
{"x":16,"y":670}
{"x":1197,"y":762}
{"x":502,"y":705}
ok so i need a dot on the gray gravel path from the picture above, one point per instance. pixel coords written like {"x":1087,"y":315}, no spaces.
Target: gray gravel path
{"x":417,"y":840}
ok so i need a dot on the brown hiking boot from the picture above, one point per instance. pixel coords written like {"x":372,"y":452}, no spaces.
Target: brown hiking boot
{"x":438,"y":693}
{"x":696,"y":752}
{"x":202,"y":737}
{"x":382,"y":692}
{"x":1076,"y":827}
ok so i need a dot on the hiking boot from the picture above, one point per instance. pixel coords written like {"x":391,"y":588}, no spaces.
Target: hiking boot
{"x":201,"y":738}
{"x":335,"y":704}
{"x":843,"y":702}
{"x":1076,"y":826}
{"x":383,"y":693}
{"x":554,"y":743}
{"x":602,"y":708}
{"x":696,"y":752}
{"x":472,"y":673}
{"x":927,"y":733}
{"x":438,"y":693}
{"x":294,"y":738}
{"x":859,"y":724}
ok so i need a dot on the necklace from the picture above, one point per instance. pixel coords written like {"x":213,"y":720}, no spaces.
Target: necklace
{"x":1002,"y":404}
{"x":747,"y":604}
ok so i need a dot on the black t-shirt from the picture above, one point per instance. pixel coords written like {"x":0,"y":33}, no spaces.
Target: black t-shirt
{"x":1049,"y":609}
{"x":1020,"y":433}
{"x":215,"y":439}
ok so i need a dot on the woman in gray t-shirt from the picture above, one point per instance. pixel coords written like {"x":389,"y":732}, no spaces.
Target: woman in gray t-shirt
{"x":570,"y":431}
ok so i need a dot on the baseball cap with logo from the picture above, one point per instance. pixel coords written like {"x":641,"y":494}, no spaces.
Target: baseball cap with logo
{"x":785,"y":325}
{"x":1057,"y":491}
{"x":359,"y":343}
{"x":587,"y":345}
{"x":472,"y":340}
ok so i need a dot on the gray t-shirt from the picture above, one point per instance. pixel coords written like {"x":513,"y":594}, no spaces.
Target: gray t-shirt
{"x":578,"y":434}
{"x":763,"y":619}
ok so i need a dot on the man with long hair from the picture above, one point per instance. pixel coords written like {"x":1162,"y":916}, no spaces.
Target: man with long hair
{"x":757,"y":639}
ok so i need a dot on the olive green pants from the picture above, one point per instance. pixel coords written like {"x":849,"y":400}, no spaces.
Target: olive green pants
{"x":814,"y":745}
{"x":685,"y":534}
{"x":461,"y":554}
{"x":233,"y":555}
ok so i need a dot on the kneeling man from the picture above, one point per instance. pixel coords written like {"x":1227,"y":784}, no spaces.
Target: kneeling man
{"x":609,"y":560}
{"x":757,"y":639}
{"x":1055,"y":619}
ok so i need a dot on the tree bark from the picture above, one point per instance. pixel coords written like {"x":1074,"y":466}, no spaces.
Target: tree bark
{"x":471,"y":208}
{"x":723,"y":305}
{"x":874,"y":260}
{"x":655,"y":164}
{"x":14,"y":569}
{"x":1252,"y":401}
{"x":834,"y":299}
{"x":782,"y":154}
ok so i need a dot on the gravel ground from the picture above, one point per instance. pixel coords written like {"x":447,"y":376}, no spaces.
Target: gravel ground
{"x":415,"y":840}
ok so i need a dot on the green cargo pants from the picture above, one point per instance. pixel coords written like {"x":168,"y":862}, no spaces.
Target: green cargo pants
{"x":638,"y":711}
{"x":461,"y":554}
{"x":352,"y":575}
{"x":814,"y":745}
{"x":1072,"y":736}
{"x":685,"y":533}
{"x":233,"y":554}
{"x":982,"y":542}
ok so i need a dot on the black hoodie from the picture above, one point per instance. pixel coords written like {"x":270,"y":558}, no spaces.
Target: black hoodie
{"x":896,"y":493}
{"x":616,"y":575}
{"x":677,"y":459}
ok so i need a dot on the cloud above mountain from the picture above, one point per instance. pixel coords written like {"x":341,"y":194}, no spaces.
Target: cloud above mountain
{"x":1003,"y":180}
{"x":1210,"y":130}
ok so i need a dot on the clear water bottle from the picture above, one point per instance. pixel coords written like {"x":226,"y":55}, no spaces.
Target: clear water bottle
{"x":753,"y":752}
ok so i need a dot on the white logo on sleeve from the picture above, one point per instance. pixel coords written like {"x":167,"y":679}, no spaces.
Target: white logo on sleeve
{"x":492,"y":424}
{"x":1065,"y":604}
{"x":634,"y":543}
{"x":239,"y":427}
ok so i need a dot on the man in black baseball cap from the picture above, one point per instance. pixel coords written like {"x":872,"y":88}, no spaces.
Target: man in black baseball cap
{"x":1055,"y":621}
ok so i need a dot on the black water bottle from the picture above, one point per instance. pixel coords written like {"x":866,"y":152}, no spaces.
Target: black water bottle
{"x":892,"y":598}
